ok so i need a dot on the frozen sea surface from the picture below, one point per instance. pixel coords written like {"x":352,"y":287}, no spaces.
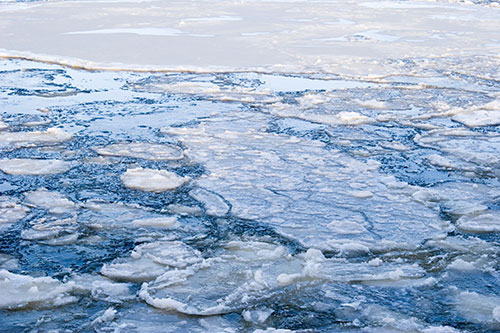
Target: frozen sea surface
{"x":302,"y":199}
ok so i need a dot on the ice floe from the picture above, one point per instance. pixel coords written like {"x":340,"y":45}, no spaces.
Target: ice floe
{"x":11,"y":211}
{"x":54,"y":202}
{"x":24,"y":291}
{"x":151,"y":180}
{"x":27,"y":166}
{"x":479,"y":308}
{"x":33,"y":139}
{"x":151,"y":260}
{"x":158,"y":222}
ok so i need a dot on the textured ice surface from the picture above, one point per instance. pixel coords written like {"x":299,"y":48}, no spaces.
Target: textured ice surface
{"x":251,"y":272}
{"x":282,"y":195}
{"x":25,"y":166}
{"x":479,"y":308}
{"x":159,"y":222}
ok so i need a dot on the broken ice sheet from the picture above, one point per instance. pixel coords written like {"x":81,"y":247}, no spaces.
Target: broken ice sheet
{"x":247,"y":273}
{"x":149,"y":260}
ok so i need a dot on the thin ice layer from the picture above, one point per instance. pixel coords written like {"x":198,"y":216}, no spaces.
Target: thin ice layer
{"x":144,"y":150}
{"x":303,"y":190}
{"x":151,"y":180}
{"x":34,"y":167}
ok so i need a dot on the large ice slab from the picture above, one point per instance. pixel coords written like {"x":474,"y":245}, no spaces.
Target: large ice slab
{"x":323,"y":198}
{"x":354,"y":37}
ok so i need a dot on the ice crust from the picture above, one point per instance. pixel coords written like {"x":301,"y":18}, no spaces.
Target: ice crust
{"x":34,"y":167}
{"x":144,"y":150}
{"x":479,"y":308}
{"x":151,"y":180}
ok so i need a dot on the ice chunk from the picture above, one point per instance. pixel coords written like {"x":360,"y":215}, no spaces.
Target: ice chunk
{"x":31,"y":139}
{"x":150,"y":260}
{"x":150,"y":180}
{"x":487,"y":222}
{"x":342,"y":118}
{"x":23,"y":291}
{"x":102,"y":288}
{"x":54,"y":202}
{"x":10,"y":211}
{"x":26,"y":166}
{"x":258,"y":315}
{"x":478,"y":308}
{"x":372,"y":104}
{"x":184,"y":210}
{"x":108,"y":315}
{"x":238,"y":277}
{"x":144,"y":150}
{"x":213,"y":203}
{"x":52,"y":231}
{"x":461,"y":265}
{"x":484,"y":115}
{"x":8,"y":262}
{"x":169,"y":222}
